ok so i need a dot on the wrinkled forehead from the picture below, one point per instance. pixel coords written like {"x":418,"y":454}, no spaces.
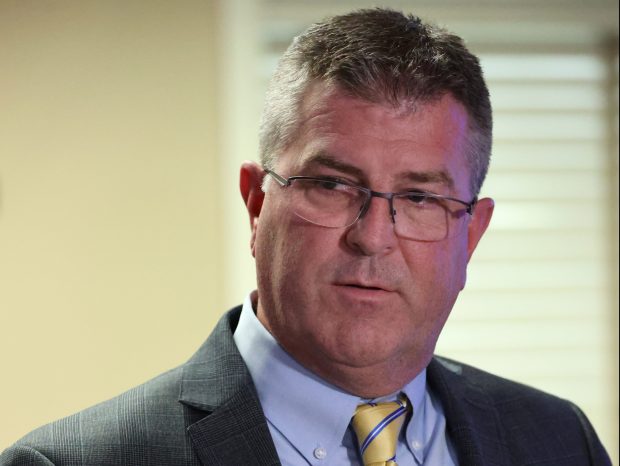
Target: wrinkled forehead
{"x":421,"y":141}
{"x":324,"y":92}
{"x":324,"y":160}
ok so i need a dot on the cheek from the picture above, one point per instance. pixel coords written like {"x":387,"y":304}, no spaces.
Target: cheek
{"x":455,"y":265}
{"x":439,"y":268}
{"x":461,"y":258}
{"x":289,"y":258}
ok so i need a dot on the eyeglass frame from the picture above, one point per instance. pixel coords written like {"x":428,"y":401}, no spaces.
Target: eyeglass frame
{"x":389,"y":196}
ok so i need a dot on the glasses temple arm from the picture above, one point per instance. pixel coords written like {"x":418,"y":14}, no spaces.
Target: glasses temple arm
{"x":282,"y":181}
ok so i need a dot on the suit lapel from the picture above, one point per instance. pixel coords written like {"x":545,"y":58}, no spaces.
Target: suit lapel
{"x":235,"y":433}
{"x":472,"y":421}
{"x":228,"y":426}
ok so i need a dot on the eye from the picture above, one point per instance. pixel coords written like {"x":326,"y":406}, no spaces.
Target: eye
{"x":416,"y":198}
{"x":321,"y":186}
{"x":422,"y":200}
{"x":327,"y":184}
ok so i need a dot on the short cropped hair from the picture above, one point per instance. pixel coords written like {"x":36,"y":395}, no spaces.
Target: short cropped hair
{"x":385,"y":57}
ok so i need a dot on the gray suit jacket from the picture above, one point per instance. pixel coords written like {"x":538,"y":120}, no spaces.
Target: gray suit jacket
{"x":207,"y":412}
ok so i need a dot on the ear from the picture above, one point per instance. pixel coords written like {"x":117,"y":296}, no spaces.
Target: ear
{"x":480,"y":220}
{"x":250,"y":181}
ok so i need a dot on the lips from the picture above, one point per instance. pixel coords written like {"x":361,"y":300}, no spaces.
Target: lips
{"x":354,"y":294}
{"x":367,"y":277}
{"x":365,"y":286}
{"x":378,"y":288}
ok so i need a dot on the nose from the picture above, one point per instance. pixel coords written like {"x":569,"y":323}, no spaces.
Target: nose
{"x":373,"y":233}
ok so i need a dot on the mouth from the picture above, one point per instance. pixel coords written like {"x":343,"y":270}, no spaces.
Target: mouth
{"x":365,"y":289}
{"x":357,"y":294}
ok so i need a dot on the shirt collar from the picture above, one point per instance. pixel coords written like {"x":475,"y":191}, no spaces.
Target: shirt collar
{"x":286,"y":391}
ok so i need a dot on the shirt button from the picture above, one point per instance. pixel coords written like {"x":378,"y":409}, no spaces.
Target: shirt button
{"x":320,"y":453}
{"x":416,"y":445}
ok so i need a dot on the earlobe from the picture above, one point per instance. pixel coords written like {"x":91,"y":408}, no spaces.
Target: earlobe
{"x":250,"y":184}
{"x":479,"y":222}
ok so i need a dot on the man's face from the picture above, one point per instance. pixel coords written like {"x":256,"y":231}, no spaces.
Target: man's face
{"x":361,"y":299}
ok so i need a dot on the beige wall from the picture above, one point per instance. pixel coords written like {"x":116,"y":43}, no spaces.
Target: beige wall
{"x":109,"y":230}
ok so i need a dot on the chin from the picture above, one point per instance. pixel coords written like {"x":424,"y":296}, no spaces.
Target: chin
{"x":364,"y":351}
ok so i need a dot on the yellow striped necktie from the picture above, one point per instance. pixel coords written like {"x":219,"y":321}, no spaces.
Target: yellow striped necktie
{"x":377,"y":426}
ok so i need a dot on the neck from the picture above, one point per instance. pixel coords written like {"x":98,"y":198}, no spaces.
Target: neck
{"x":368,"y":382}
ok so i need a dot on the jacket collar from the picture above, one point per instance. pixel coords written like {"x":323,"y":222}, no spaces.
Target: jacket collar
{"x":231,"y":427}
{"x":471,"y":417}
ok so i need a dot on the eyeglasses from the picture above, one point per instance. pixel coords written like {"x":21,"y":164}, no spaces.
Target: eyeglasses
{"x":333,"y":203}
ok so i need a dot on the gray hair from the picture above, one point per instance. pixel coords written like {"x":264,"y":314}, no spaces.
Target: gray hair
{"x":384,"y":57}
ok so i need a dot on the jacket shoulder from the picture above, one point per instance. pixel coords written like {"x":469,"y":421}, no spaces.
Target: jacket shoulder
{"x":534,"y":423}
{"x":22,"y":455}
{"x":502,"y":393}
{"x":145,"y":424}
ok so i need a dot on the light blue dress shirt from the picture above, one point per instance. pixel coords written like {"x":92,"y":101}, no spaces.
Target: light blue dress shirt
{"x":309,"y":418}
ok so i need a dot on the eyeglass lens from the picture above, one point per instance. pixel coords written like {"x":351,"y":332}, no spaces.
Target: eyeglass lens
{"x":335,"y":205}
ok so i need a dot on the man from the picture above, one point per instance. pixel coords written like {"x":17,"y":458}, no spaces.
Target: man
{"x":375,"y":141}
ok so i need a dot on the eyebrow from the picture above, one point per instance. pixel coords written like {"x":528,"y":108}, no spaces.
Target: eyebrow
{"x":327,"y":160}
{"x":439,"y":176}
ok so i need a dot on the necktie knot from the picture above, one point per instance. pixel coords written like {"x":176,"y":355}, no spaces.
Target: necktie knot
{"x":377,"y":426}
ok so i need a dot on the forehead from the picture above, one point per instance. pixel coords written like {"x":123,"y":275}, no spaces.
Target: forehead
{"x":382,"y":142}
